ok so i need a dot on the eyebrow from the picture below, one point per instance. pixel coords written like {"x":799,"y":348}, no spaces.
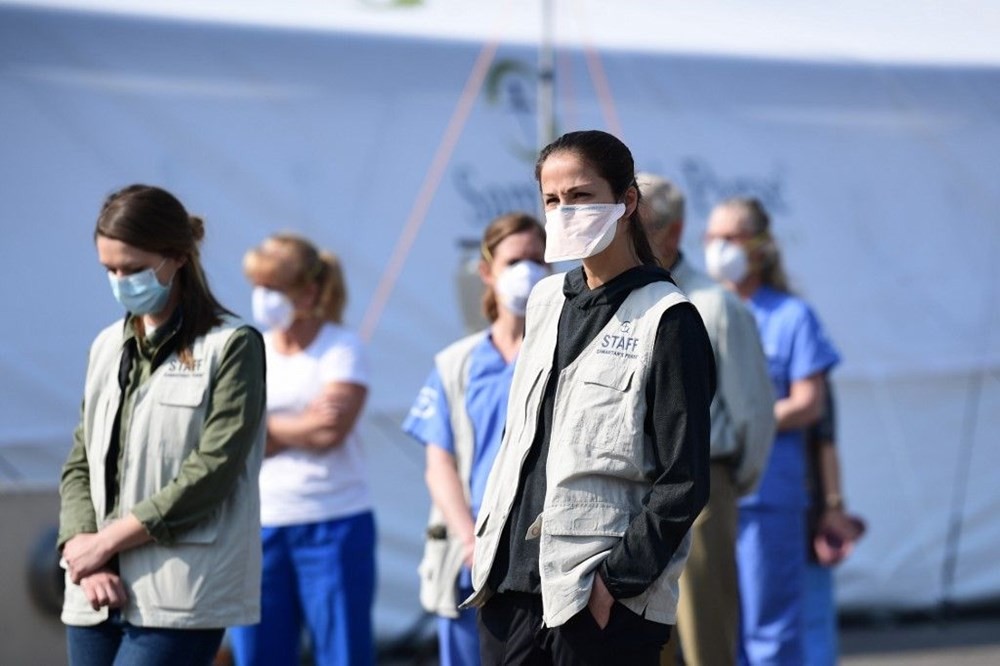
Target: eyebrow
{"x":574,"y":188}
{"x":122,"y":267}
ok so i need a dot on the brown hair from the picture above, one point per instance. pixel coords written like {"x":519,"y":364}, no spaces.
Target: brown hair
{"x":291,"y":262}
{"x":612,"y":160}
{"x":772,"y":273}
{"x":151,"y":219}
{"x":499,"y":229}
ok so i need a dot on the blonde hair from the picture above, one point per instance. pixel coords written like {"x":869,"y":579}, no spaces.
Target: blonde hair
{"x":289,"y":262}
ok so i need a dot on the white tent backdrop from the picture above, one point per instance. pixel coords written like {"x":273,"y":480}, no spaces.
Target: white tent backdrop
{"x":878,"y":159}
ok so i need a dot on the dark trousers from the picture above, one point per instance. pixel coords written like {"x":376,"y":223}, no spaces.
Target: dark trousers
{"x":511,"y":633}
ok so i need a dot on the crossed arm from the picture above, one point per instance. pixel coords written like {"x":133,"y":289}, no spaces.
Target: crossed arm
{"x":323,"y":425}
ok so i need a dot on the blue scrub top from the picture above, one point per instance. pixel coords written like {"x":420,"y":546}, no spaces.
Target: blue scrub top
{"x":486,"y":404}
{"x":796,"y":346}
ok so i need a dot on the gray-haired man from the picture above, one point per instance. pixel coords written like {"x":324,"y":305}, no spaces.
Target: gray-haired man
{"x":742,"y":432}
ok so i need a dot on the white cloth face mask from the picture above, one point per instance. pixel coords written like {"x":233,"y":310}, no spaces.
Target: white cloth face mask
{"x":726,"y":261}
{"x":272,"y":309}
{"x":515,"y":284}
{"x":578,"y":232}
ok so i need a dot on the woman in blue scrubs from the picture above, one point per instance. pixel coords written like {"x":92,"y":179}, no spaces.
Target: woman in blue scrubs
{"x":459,"y":416}
{"x":742,"y":253}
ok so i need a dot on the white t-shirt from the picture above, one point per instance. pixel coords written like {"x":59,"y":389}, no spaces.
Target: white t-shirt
{"x":299,"y":486}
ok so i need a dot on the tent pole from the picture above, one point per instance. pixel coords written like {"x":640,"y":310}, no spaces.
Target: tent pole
{"x":546,"y":78}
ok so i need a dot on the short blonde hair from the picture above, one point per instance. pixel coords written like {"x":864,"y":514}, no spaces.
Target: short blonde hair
{"x":289,"y":262}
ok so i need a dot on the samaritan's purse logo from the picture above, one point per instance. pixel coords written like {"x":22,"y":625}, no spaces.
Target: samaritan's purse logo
{"x":622,"y":344}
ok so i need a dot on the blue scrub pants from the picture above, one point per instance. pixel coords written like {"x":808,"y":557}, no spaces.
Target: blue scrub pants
{"x":322,"y":574}
{"x":458,"y":639}
{"x":821,"y":617}
{"x":771,"y":558}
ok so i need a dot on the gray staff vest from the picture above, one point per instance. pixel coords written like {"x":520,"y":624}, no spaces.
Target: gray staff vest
{"x":599,"y":466}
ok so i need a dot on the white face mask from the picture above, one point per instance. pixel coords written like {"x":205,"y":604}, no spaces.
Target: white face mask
{"x":726,"y":261}
{"x":516,"y":282}
{"x":578,"y":232}
{"x":272,"y":309}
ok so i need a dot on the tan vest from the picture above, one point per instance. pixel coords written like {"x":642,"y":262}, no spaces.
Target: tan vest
{"x":599,"y":466}
{"x":210,"y":577}
{"x":442,"y":560}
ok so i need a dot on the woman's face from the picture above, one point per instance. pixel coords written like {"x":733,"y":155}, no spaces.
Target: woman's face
{"x":512,"y":249}
{"x":729,"y":223}
{"x":122,"y":259}
{"x":567,"y":180}
{"x":279,"y":276}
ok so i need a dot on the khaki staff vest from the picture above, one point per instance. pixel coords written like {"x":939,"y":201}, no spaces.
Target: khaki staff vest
{"x":599,"y":465}
{"x":210,"y":576}
{"x":442,"y":560}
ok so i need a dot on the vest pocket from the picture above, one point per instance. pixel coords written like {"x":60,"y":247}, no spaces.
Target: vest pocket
{"x":174,"y":578}
{"x":183,"y":394}
{"x":601,"y":398}
{"x":176,"y":419}
{"x":439,"y":569}
{"x":590,"y":519}
{"x":575,"y":540}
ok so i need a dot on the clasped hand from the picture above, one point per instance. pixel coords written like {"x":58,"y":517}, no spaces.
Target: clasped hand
{"x":104,"y":588}
{"x":85,"y":554}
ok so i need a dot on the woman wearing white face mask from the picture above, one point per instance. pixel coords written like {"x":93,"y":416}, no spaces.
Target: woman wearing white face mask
{"x":158,"y":523}
{"x":318,"y":526}
{"x":459,"y":416}
{"x":742,"y":253}
{"x":604,"y":463}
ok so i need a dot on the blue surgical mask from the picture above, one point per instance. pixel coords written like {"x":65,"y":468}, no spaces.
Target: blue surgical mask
{"x":141,"y":293}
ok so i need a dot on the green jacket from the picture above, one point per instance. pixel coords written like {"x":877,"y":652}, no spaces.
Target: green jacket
{"x":191,"y":441}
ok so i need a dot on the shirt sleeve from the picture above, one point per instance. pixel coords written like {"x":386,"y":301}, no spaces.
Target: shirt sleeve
{"x":345,"y":361}
{"x":429,"y":419}
{"x":745,"y":393}
{"x":76,"y":509}
{"x":209,"y":473}
{"x":679,"y":392}
{"x":812,"y":350}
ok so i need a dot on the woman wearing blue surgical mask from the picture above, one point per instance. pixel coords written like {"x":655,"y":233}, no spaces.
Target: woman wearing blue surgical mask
{"x":158,"y":522}
{"x":604,"y":464}
{"x":458,"y":417}
{"x":318,"y":528}
{"x":742,"y":253}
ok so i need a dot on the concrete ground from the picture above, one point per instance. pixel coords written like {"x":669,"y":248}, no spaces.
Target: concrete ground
{"x":958,"y":642}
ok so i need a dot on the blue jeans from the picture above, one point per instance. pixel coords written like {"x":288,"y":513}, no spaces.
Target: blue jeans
{"x":117,"y":642}
{"x":322,"y":575}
